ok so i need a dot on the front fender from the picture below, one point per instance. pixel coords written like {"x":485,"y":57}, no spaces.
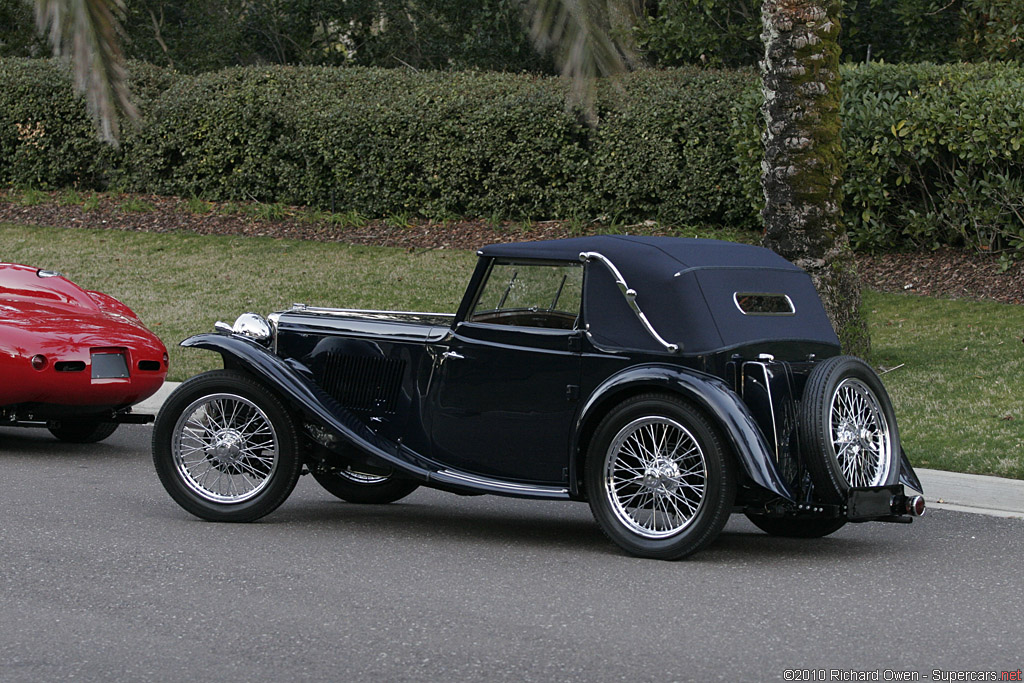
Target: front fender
{"x":293,"y":382}
{"x":714,"y":396}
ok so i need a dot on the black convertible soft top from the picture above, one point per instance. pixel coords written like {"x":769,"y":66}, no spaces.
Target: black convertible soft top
{"x":693,"y":291}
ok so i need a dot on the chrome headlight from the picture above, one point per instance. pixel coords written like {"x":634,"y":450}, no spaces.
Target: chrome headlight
{"x":253,"y":326}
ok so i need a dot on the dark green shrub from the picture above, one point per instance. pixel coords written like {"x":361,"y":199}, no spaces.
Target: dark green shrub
{"x":437,"y":144}
{"x":712,"y":32}
{"x":212,"y":135}
{"x":934,"y":152}
{"x":664,"y":147}
{"x":440,"y":144}
{"x":935,"y":155}
{"x":47,"y":139}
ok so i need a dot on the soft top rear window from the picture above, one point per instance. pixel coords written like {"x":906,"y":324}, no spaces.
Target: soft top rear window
{"x":763,"y":303}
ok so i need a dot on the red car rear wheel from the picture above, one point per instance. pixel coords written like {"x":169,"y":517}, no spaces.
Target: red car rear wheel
{"x":82,"y":430}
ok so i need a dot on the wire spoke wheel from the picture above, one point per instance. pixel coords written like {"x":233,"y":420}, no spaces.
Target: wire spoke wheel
{"x":225,"y":448}
{"x":848,"y":431}
{"x":659,"y":481}
{"x":861,"y":440}
{"x":655,"y":476}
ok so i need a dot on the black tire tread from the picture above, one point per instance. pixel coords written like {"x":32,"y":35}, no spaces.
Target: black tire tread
{"x":795,"y":527}
{"x":378,"y":493}
{"x":82,"y":430}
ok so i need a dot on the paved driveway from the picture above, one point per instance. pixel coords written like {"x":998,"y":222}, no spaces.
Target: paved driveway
{"x":106,"y":579}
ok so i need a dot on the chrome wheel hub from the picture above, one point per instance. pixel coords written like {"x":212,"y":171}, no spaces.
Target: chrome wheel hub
{"x":661,"y":477}
{"x":227,"y":447}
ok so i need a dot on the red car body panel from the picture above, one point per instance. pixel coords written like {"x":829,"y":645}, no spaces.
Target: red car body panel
{"x":65,"y":328}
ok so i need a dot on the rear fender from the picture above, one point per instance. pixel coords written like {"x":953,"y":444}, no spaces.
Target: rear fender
{"x":725,"y":408}
{"x":293,"y":382}
{"x":908,"y":477}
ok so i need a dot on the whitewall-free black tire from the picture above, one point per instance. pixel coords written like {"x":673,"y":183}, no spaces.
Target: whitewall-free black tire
{"x":659,"y":480}
{"x":225,"y":448}
{"x":848,"y":429}
{"x":362,"y":485}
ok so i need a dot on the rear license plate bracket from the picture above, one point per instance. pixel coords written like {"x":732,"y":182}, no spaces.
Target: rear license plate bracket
{"x":109,"y":365}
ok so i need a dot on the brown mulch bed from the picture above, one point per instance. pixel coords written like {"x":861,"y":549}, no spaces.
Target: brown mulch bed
{"x":945,"y":272}
{"x":169,"y":214}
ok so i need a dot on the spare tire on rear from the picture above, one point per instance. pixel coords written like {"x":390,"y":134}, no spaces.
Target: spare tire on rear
{"x":848,"y":431}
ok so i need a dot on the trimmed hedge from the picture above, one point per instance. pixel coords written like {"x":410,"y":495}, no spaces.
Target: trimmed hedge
{"x":46,"y":136}
{"x":387,"y":142}
{"x":934,"y":152}
{"x":935,"y":156}
{"x":47,"y":139}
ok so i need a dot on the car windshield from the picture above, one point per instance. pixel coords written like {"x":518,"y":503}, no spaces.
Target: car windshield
{"x":512,"y":288}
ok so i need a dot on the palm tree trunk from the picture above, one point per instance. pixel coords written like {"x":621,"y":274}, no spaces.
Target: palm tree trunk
{"x":803,"y":162}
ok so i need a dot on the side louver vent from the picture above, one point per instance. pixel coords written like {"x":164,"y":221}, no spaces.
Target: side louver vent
{"x":362,"y":382}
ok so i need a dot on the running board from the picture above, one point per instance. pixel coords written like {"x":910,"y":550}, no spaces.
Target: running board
{"x":478,"y":484}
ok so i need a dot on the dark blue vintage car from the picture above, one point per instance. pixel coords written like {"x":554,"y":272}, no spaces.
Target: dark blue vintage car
{"x":669,"y":382}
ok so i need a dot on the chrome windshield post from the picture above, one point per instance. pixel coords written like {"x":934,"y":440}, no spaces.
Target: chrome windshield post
{"x":630,"y":294}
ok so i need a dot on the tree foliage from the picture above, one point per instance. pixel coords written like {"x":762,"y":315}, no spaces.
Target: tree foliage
{"x":16,"y":37}
{"x":727,"y":32}
{"x":203,"y":35}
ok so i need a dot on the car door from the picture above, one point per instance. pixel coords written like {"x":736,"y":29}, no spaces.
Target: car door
{"x":506,"y":382}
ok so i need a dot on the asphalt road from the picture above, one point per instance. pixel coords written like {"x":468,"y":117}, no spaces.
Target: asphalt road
{"x":105,"y":579}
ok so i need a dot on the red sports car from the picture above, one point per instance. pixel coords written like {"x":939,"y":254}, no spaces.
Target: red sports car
{"x":71,"y":360}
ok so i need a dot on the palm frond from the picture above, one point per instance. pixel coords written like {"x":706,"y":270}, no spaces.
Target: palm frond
{"x":87,"y":31}
{"x":579,"y":32}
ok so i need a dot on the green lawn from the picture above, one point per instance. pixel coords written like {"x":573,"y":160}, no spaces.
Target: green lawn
{"x":957,"y":396}
{"x":181,"y":284}
{"x":955,"y":393}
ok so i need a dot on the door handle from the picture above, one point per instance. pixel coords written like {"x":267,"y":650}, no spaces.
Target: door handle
{"x":452,"y":354}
